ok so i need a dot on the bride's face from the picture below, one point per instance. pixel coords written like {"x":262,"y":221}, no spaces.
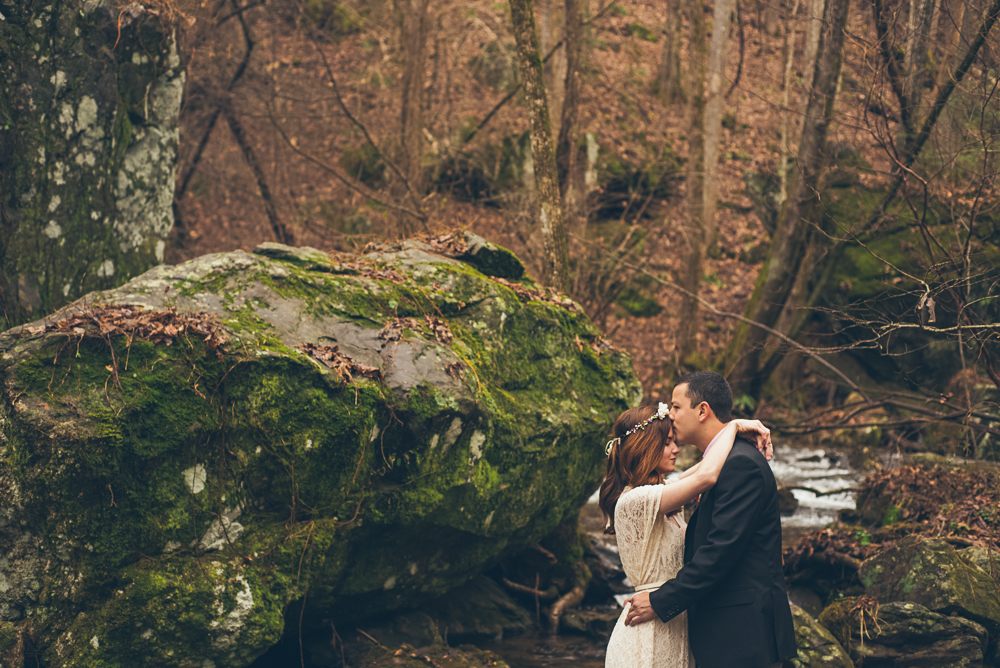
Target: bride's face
{"x":669,"y":458}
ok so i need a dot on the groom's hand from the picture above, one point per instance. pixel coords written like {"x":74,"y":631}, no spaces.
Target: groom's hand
{"x":641,"y":611}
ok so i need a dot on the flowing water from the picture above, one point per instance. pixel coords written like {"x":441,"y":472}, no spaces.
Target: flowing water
{"x":823,"y":470}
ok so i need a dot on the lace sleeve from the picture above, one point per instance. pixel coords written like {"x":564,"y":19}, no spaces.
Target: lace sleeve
{"x":635,"y":515}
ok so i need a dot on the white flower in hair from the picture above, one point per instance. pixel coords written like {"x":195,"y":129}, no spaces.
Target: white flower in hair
{"x":662,"y":413}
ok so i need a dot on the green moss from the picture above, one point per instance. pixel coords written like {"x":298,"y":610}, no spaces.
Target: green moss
{"x":368,"y":496}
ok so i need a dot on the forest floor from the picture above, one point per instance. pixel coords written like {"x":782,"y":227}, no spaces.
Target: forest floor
{"x":286,"y":104}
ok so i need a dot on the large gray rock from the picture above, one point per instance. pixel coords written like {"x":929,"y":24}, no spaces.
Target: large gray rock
{"x":185,"y":456}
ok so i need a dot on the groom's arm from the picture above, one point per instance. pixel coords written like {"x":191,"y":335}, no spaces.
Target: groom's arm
{"x":740,"y":493}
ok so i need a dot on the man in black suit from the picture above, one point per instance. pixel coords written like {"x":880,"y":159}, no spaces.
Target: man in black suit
{"x":732,"y":583}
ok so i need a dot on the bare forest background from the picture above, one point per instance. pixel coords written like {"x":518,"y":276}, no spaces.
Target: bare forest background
{"x":799,"y":194}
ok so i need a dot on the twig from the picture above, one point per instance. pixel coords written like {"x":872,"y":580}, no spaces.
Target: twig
{"x":524,"y":589}
{"x":343,"y":107}
{"x":369,"y":637}
{"x":551,"y":557}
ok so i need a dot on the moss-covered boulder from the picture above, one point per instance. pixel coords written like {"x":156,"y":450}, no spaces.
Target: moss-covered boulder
{"x":907,"y":634}
{"x":184,"y":456}
{"x":933,"y":574}
{"x":816,"y":645}
{"x":903,"y":634}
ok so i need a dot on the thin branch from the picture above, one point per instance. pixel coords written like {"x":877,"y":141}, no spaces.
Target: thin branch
{"x":337,"y":175}
{"x":217,"y":111}
{"x":736,"y":316}
{"x":239,"y":11}
{"x":913,"y":150}
{"x":281,"y":232}
{"x":343,"y":107}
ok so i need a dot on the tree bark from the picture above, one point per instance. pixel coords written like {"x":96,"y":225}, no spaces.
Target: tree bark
{"x":915,"y":59}
{"x":669,"y":85}
{"x":772,"y":16}
{"x":551,"y":218}
{"x":567,"y":144}
{"x":722,"y":25}
{"x":695,"y":184}
{"x":786,"y":85}
{"x":814,"y":9}
{"x":798,"y":215}
{"x":88,"y":150}
{"x":415,"y":26}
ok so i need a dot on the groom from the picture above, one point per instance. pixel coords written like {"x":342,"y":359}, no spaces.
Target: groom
{"x":732,"y":583}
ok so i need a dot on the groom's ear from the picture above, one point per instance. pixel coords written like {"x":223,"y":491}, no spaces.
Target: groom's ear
{"x":704,"y":411}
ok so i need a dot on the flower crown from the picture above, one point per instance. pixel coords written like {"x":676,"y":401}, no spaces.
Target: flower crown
{"x":662,"y":411}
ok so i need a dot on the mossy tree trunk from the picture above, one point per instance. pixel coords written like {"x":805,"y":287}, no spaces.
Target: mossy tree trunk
{"x":799,"y":214}
{"x":550,"y":215}
{"x":88,"y":150}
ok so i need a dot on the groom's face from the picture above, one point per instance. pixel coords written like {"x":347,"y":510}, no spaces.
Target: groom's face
{"x":684,"y":415}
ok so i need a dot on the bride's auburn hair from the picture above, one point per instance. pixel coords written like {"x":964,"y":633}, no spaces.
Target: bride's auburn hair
{"x":633,"y":459}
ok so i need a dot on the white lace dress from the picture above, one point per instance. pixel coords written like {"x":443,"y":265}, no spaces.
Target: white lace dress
{"x":652,"y":551}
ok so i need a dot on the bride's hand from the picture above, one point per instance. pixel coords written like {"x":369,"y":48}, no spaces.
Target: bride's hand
{"x":762,"y":435}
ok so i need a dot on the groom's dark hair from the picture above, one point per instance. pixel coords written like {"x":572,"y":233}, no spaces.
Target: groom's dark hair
{"x":711,"y":388}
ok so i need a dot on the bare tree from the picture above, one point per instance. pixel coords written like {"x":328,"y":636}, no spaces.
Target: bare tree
{"x":414,"y":30}
{"x":550,"y":215}
{"x":695,"y":182}
{"x":798,"y":214}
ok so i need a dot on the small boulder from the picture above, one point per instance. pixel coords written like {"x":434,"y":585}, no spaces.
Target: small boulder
{"x":816,"y":645}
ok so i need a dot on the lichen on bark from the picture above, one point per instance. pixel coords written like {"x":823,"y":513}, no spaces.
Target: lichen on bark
{"x":88,"y":149}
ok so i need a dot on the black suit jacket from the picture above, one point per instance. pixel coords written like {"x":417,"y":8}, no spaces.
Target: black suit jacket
{"x":732,"y":583}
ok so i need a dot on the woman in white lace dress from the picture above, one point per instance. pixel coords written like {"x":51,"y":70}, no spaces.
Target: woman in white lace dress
{"x":643,"y":514}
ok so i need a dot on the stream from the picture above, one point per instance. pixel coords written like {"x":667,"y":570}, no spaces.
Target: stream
{"x":823,"y":469}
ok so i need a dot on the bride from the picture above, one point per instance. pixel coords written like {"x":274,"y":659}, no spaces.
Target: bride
{"x":643,"y":514}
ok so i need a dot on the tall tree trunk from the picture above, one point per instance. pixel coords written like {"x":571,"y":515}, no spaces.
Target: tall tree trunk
{"x":554,"y":69}
{"x":88,"y":150}
{"x":415,"y":27}
{"x":814,"y":25}
{"x":695,"y":184}
{"x":551,"y":218}
{"x":786,"y":85}
{"x":772,"y":16}
{"x":722,"y":25}
{"x":801,"y":210}
{"x":915,"y":60}
{"x":668,"y":78}
{"x":567,"y":144}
